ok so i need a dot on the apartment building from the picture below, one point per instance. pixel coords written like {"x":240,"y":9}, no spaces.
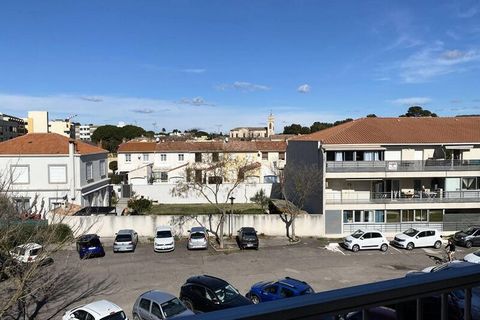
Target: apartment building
{"x":11,"y":127}
{"x":52,"y":169}
{"x":166,"y":162}
{"x":85,"y":132}
{"x":390,"y":174}
{"x":37,"y":122}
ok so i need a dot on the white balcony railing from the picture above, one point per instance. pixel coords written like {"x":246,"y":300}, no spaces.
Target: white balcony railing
{"x":401,"y":166}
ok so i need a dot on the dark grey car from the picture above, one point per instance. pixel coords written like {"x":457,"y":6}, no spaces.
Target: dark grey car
{"x":158,"y":305}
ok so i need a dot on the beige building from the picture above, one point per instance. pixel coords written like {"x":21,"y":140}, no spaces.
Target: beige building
{"x":63,"y":127}
{"x":255,"y":132}
{"x":37,"y":122}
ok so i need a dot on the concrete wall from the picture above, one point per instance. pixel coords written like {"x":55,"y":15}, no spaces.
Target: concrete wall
{"x":107,"y":226}
{"x":163,"y":193}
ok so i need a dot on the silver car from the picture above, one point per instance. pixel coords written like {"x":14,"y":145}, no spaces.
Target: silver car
{"x":158,"y":305}
{"x":198,"y":238}
{"x":125,"y":240}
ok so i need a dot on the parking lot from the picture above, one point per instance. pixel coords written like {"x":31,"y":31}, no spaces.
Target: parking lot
{"x":323,"y":265}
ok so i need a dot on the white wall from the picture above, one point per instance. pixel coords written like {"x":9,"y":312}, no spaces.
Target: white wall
{"x":163,"y":193}
{"x":107,"y":226}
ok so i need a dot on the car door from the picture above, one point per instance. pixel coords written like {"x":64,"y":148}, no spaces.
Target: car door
{"x":81,"y":314}
{"x":286,"y":293}
{"x":421,"y":239}
{"x":156,"y":312}
{"x":200,"y":300}
{"x":144,"y":309}
{"x":366,"y":240}
{"x":376,"y":240}
{"x":269,"y":293}
{"x":476,"y":238}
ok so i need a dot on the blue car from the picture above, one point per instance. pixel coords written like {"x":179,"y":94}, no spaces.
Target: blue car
{"x":89,"y":245}
{"x":275,"y":290}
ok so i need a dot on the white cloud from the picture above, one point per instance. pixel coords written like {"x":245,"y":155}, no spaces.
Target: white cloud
{"x":411,"y":101}
{"x":304,"y":88}
{"x":194,"y":70}
{"x":243,"y":86}
{"x":197,"y":101}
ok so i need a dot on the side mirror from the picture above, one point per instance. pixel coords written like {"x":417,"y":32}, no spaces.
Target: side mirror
{"x":416,"y":237}
{"x":361,"y":238}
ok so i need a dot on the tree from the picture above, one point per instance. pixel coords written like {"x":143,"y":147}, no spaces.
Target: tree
{"x":113,"y":165}
{"x":371,"y":115}
{"x":140,"y":205}
{"x":112,"y":136}
{"x":296,"y":129}
{"x":215,"y":178}
{"x":418,"y":111}
{"x":261,"y":199}
{"x":317,"y":126}
{"x":298,"y":184}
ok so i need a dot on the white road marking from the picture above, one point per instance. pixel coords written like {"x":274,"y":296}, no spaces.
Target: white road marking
{"x":430,"y":251}
{"x":392,"y":247}
{"x":334,"y":247}
{"x":291,"y":270}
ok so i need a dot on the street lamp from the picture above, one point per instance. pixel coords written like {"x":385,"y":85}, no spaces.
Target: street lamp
{"x":230,"y":231}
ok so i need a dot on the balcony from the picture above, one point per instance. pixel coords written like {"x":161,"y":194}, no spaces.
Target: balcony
{"x":403,"y":166}
{"x":400,"y":197}
{"x":407,"y":296}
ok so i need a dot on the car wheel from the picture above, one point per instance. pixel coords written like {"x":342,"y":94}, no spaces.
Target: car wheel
{"x":468,"y":244}
{"x":255,"y":299}
{"x":437,"y":245}
{"x":355,"y":248}
{"x":384,"y":247}
{"x":188,"y":304}
{"x":410,"y":246}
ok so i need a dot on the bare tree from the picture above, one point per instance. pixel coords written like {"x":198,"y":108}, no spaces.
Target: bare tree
{"x":215,"y":177}
{"x":298,"y":185}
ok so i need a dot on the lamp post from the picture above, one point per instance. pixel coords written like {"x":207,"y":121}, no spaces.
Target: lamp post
{"x":230,"y":231}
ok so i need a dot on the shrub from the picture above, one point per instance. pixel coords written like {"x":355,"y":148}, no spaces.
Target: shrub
{"x":140,"y":205}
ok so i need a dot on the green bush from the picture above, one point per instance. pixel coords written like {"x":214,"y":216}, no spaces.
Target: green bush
{"x":60,"y":232}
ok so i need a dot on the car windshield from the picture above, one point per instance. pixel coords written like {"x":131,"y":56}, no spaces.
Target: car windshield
{"x":410,"y":232}
{"x":164,"y":234}
{"x":123,"y":237}
{"x":226,"y":293}
{"x":250,"y":234}
{"x":470,"y":231}
{"x":172,"y":307}
{"x":357,"y":234}
{"x":197,"y":235}
{"x":116,"y":316}
{"x":95,"y":242}
{"x":477,"y":253}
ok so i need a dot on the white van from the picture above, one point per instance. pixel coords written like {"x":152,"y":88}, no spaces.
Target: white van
{"x":418,"y":237}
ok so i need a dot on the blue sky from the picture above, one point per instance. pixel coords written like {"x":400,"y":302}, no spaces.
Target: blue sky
{"x":218,"y":64}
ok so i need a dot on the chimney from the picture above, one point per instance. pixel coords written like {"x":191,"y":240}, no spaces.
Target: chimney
{"x":71,"y":167}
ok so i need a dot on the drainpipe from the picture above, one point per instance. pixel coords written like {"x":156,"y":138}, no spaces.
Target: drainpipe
{"x":71,"y":167}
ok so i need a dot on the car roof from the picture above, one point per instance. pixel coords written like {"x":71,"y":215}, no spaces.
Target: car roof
{"x":87,"y":237}
{"x":198,"y":229}
{"x":30,"y":246}
{"x":158,"y":296}
{"x":125,"y":231}
{"x":424,"y":229}
{"x":294,"y":283}
{"x":251,"y":229}
{"x":102,"y":308}
{"x":209,"y":281}
{"x":454,"y":265}
{"x":163,"y":228}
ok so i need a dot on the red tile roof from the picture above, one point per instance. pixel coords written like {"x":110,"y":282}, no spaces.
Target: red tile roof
{"x":204,"y":146}
{"x":401,"y":130}
{"x":45,"y":143}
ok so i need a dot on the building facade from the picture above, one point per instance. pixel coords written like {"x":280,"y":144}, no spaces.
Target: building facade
{"x":52,"y":169}
{"x":166,"y":162}
{"x":37,"y":122}
{"x":85,"y":132}
{"x":255,"y":132}
{"x":11,"y":127}
{"x":390,"y":174}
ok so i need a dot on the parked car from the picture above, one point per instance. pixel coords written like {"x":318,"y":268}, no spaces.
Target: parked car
{"x":456,"y":297}
{"x":468,"y":238}
{"x":207,"y":293}
{"x":275,"y":290}
{"x":198,"y":238}
{"x":125,"y":240}
{"x":420,"y":237}
{"x":247,"y":238}
{"x":29,"y":253}
{"x":164,"y":240}
{"x":363,"y":240}
{"x":98,"y":310}
{"x":158,"y":305}
{"x":473,"y":257}
{"x":89,"y":245}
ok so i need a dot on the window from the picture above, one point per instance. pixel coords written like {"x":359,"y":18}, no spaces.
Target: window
{"x":163,"y":157}
{"x":393,"y":216}
{"x":376,"y":235}
{"x":89,"y":171}
{"x":379,"y":216}
{"x":347,"y":216}
{"x":330,"y":156}
{"x":163,"y":176}
{"x":264,"y":155}
{"x":420,"y":215}
{"x":367,"y":235}
{"x":128,"y":157}
{"x":215,"y":180}
{"x":469,"y":183}
{"x":20,"y":174}
{"x":281,"y":155}
{"x":368,"y":216}
{"x":22,"y":204}
{"x":103,"y":169}
{"x":215,"y":157}
{"x":271,"y":289}
{"x":57,"y":174}
{"x":145,"y":304}
{"x":146,"y":157}
{"x":422,"y":234}
{"x":348,"y":156}
{"x":435,"y":215}
{"x":156,"y":311}
{"x":408,"y":215}
{"x":358,"y":216}
{"x":181,"y":157}
{"x":198,"y":157}
{"x":286,"y":293}
{"x":198,"y":176}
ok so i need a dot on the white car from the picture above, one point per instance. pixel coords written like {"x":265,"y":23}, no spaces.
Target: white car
{"x":473,"y":257}
{"x":98,"y":310}
{"x":419,"y":237}
{"x":364,"y":240}
{"x":29,"y":253}
{"x":164,"y":240}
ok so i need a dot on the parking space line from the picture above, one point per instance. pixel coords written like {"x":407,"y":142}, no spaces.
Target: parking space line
{"x":394,"y":248}
{"x":334,"y":247}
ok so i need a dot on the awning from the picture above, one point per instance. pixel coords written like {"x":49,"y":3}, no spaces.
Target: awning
{"x":460,"y":147}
